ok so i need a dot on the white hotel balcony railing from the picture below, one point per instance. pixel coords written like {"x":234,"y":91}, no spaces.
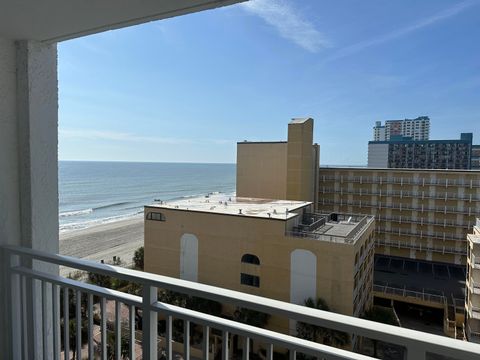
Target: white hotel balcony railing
{"x":420,"y":247}
{"x":402,"y":181}
{"x":401,"y":194}
{"x":46,"y":288}
{"x":402,"y":207}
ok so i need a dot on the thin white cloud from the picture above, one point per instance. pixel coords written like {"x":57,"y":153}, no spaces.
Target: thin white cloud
{"x":443,"y":15}
{"x":90,"y":134}
{"x":288,"y":22}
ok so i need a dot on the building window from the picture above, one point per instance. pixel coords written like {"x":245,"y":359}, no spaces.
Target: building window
{"x":250,"y":259}
{"x":250,"y":280}
{"x":156,"y":216}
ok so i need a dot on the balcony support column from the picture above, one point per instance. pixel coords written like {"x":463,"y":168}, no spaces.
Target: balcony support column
{"x":28,"y":159}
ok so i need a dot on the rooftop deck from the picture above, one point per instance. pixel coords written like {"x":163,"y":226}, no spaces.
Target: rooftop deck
{"x":239,"y":206}
{"x":340,"y":228}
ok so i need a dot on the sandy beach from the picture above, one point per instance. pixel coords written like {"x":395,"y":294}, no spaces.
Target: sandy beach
{"x":102,"y":242}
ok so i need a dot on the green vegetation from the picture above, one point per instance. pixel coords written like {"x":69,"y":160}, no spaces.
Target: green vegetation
{"x":138,"y":256}
{"x":318,"y":333}
{"x":383,"y":315}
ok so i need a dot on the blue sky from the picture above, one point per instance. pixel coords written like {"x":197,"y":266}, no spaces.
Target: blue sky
{"x":188,"y":88}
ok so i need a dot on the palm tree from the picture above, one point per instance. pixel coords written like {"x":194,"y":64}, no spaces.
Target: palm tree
{"x":318,"y":333}
{"x":138,"y":258}
{"x":251,"y":317}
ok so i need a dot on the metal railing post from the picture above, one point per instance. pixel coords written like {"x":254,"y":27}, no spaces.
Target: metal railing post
{"x":149,"y":323}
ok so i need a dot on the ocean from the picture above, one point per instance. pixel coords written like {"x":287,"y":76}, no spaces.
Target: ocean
{"x":92,"y":193}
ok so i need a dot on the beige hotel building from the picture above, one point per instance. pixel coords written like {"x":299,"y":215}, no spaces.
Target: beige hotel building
{"x":270,"y":243}
{"x":421,"y":220}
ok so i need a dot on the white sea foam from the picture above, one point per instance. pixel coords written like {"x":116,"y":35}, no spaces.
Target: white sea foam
{"x":107,"y":220}
{"x":75,"y":213}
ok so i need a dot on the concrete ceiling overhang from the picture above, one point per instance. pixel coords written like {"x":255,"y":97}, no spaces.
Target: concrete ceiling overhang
{"x":57,"y":20}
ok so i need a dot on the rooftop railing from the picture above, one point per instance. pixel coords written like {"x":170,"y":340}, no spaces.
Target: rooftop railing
{"x":33,"y":298}
{"x":350,"y":238}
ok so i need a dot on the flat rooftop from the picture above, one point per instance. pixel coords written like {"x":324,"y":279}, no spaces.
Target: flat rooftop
{"x":239,"y":206}
{"x":334,"y":227}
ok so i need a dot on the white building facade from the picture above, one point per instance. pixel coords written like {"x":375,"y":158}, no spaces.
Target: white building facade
{"x":417,"y":129}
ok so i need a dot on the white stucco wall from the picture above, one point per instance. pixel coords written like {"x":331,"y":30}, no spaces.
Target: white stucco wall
{"x":9,"y":188}
{"x":37,"y":112}
{"x":9,"y":183}
{"x":28,"y":160}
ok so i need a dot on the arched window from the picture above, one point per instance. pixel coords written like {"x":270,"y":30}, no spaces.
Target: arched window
{"x":250,"y":259}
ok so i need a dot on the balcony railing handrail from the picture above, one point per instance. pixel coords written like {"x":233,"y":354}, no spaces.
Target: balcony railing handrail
{"x":199,"y":318}
{"x":402,"y":193}
{"x":407,"y":181}
{"x":379,"y":205}
{"x":417,"y":343}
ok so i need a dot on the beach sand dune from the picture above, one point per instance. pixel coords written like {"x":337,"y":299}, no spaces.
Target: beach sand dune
{"x":103,"y":242}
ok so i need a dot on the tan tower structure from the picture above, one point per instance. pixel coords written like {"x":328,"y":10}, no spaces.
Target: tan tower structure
{"x":280,"y":169}
{"x":300,"y":160}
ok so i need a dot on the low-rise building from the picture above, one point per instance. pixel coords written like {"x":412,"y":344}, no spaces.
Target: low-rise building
{"x":280,"y":249}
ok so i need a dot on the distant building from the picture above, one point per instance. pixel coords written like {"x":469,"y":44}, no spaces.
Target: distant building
{"x":379,"y":132}
{"x":417,"y":129}
{"x":407,"y":153}
{"x":472,"y":303}
{"x":475,"y":157}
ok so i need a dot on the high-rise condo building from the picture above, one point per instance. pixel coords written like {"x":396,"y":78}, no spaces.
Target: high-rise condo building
{"x":417,"y":129}
{"x":405,"y":152}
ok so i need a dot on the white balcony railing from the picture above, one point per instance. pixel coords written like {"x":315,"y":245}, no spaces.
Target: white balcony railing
{"x":35,"y":323}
